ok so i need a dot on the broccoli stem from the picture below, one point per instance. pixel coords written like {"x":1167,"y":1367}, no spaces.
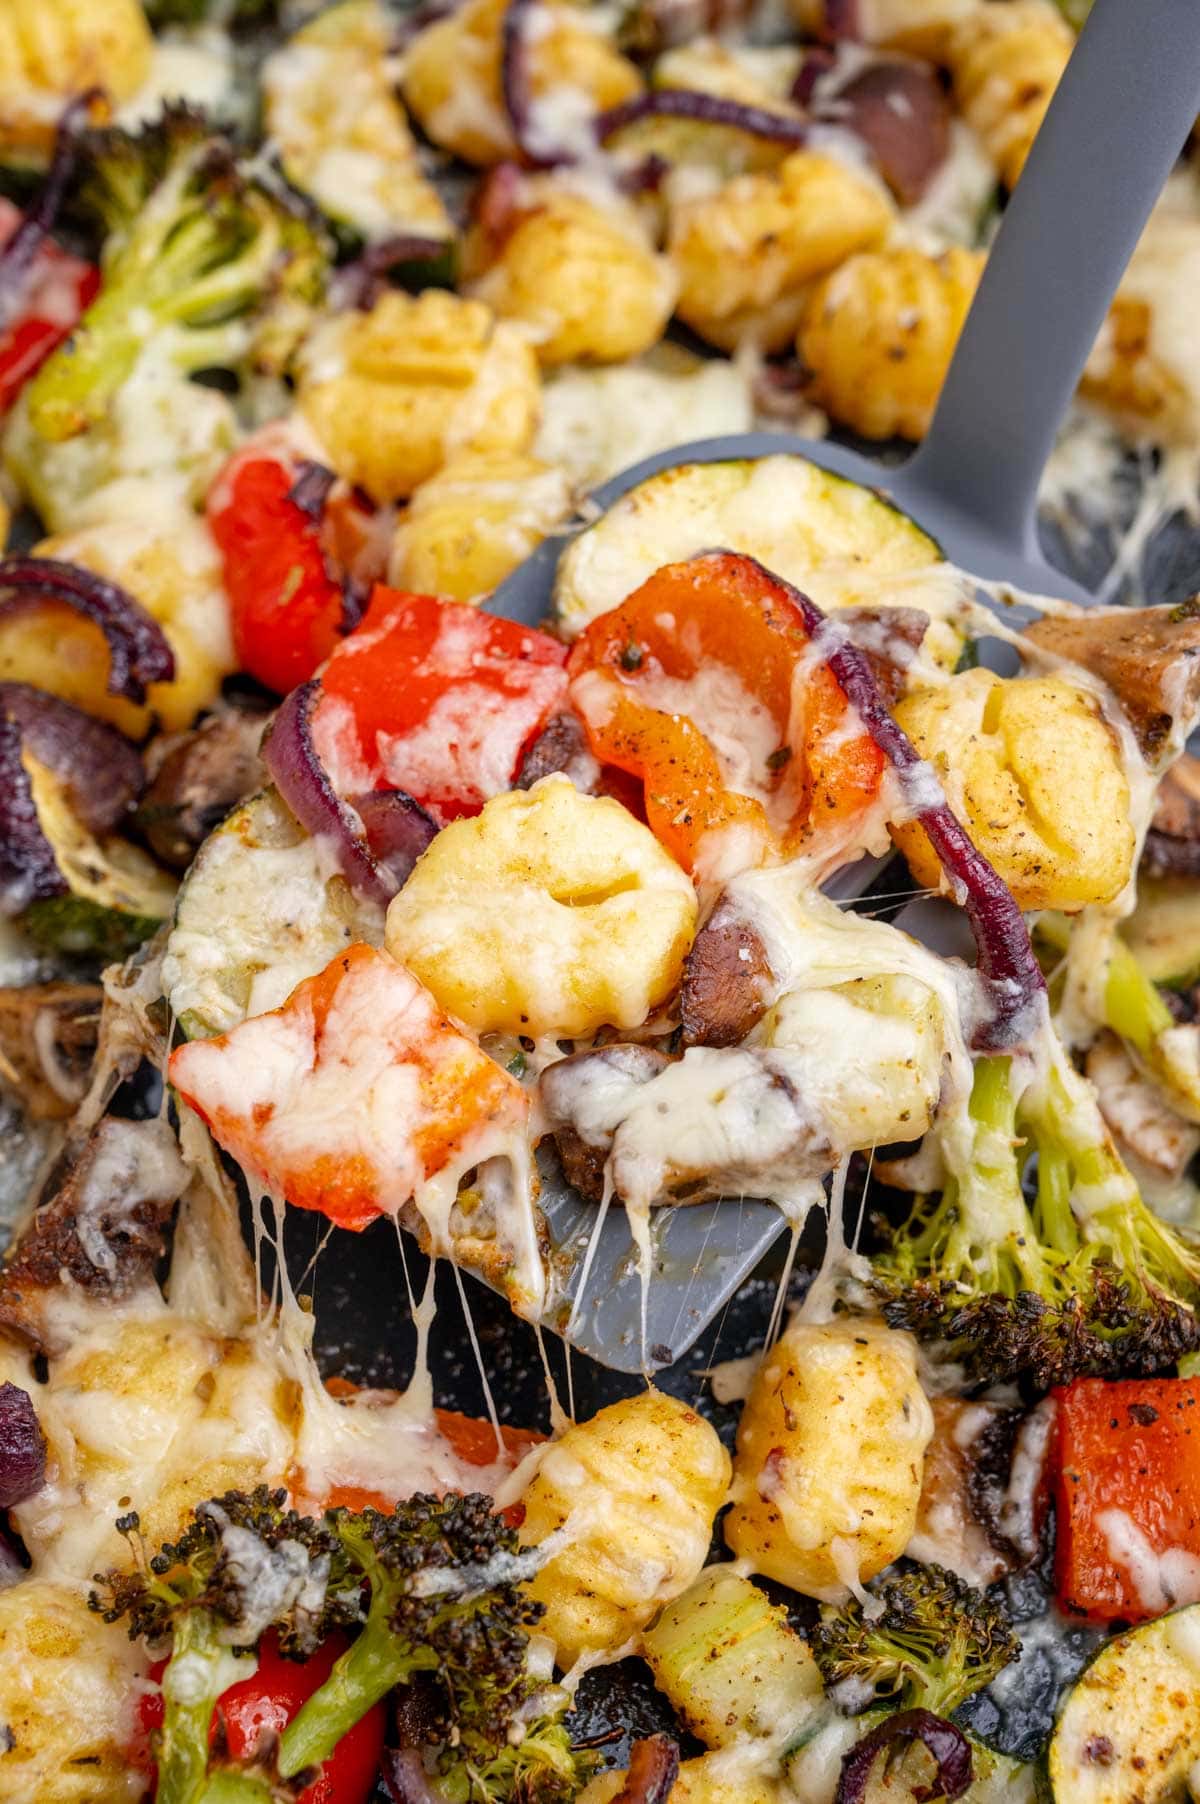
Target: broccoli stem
{"x":1133,"y":1006}
{"x":364,"y":1674}
{"x":198,"y":1671}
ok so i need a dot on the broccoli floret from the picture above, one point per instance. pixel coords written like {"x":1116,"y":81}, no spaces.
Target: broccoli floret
{"x":230,"y":266}
{"x":434,"y":1589}
{"x":933,"y":1644}
{"x":1078,"y":1277}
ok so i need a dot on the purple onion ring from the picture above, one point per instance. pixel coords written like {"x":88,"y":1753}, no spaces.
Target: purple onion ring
{"x":302,"y":780}
{"x":948,"y":1746}
{"x":28,"y":868}
{"x":310,"y":491}
{"x":398,"y":830}
{"x":516,"y":85}
{"x":19,"y":254}
{"x":137,"y":646}
{"x":841,"y":19}
{"x":708,"y":109}
{"x":1006,"y":958}
{"x":99,"y":768}
{"x":22,"y":1447}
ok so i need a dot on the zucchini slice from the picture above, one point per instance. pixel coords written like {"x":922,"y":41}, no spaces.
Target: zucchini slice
{"x":118,"y":896}
{"x":261,"y":909}
{"x":1129,"y":1729}
{"x":842,"y":544}
{"x":1163,"y":931}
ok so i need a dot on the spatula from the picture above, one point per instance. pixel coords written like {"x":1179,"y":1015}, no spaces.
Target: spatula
{"x":1118,"y":121}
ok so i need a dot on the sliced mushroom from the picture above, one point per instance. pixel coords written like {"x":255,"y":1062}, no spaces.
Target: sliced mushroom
{"x":1149,"y":657}
{"x":728,"y":984}
{"x":581,"y":1095}
{"x":204,"y":774}
{"x":962,"y":1492}
{"x":560,"y":746}
{"x":99,"y":1231}
{"x":48,"y":1035}
{"x":1172,"y":847}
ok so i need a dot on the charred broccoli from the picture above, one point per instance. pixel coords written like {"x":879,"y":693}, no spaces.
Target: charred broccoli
{"x":935,"y":1642}
{"x":432,"y":1591}
{"x":1078,"y":1277}
{"x":193,"y":247}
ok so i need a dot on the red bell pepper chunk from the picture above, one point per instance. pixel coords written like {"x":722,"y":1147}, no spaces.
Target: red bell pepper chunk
{"x":287,"y":598}
{"x":703,"y":685}
{"x":435,"y":698}
{"x":60,"y":289}
{"x":264,"y":1704}
{"x":1127,"y":1497}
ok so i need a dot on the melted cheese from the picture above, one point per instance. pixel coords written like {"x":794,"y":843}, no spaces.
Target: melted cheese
{"x":597,"y":422}
{"x":1161,"y":1578}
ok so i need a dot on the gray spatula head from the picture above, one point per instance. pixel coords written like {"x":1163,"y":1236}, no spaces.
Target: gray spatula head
{"x":1119,"y":119}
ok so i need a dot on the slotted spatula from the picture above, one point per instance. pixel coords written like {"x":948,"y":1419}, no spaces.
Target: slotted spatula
{"x":1119,"y":119}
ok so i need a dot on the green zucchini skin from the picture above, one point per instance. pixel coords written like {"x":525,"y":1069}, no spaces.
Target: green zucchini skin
{"x":1128,"y":1730}
{"x":842,"y":544}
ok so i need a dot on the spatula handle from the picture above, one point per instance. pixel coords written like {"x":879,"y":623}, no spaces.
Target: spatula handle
{"x":1119,"y":119}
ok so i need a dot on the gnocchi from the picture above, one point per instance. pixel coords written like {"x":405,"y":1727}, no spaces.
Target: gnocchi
{"x":1033,"y":771}
{"x":170,"y":565}
{"x":584,"y":279}
{"x":550,"y":913}
{"x":634,"y":1492}
{"x":707,"y":1780}
{"x":830,"y":1457}
{"x":878,"y":334}
{"x":393,"y":393}
{"x":1006,"y":61}
{"x":53,"y":49}
{"x":745,"y":254}
{"x":473,"y":522}
{"x":69,"y":1686}
{"x":451,"y":75}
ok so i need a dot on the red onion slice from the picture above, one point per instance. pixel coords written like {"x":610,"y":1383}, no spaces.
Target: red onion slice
{"x":137,"y":646}
{"x":310,"y":491}
{"x":707,"y":109}
{"x":398,"y":830}
{"x":20,"y":252}
{"x":22,"y":1447}
{"x":1006,"y":960}
{"x":99,"y":769}
{"x":819,"y":60}
{"x":516,"y":87}
{"x":303,"y":782}
{"x":949,"y":1747}
{"x":358,"y":285}
{"x":28,"y":869}
{"x":841,"y":19}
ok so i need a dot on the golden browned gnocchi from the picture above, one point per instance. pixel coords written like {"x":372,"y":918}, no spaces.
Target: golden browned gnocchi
{"x":169,"y":565}
{"x":1032,"y":769}
{"x":745,"y":254}
{"x":830,"y":1457}
{"x":550,"y":913}
{"x":155,"y":1413}
{"x":633,"y":1492}
{"x":878,"y":335}
{"x":920,"y":27}
{"x":51,"y":50}
{"x":583,"y":278}
{"x":473,"y":522}
{"x":393,"y":393}
{"x":69,"y":1691}
{"x":341,"y":133}
{"x":451,"y":77}
{"x":1007,"y":57}
{"x":1141,"y":368}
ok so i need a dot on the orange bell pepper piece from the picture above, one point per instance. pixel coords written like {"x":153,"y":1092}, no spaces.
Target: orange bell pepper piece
{"x":705,"y":685}
{"x":354,"y":1095}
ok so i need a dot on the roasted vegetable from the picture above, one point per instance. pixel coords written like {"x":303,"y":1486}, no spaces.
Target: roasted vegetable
{"x":192,"y":245}
{"x":1080,"y":1278}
